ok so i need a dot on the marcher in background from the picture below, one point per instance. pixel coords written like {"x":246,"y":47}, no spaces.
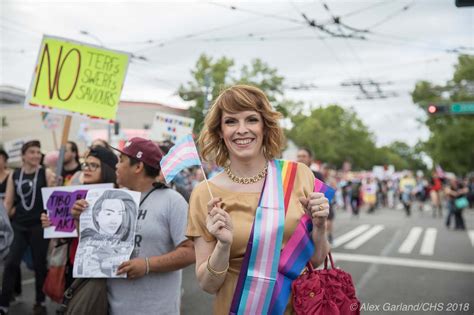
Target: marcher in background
{"x":470,"y":186}
{"x":161,"y":248}
{"x":407,"y":186}
{"x":421,"y":190}
{"x":71,"y":162}
{"x":24,"y":204}
{"x":454,"y":191}
{"x":355,"y":187}
{"x":436,"y":187}
{"x":305,"y":156}
{"x":241,"y":133}
{"x":391,"y":190}
{"x":370,"y":194}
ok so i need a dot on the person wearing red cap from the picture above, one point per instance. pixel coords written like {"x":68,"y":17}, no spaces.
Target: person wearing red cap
{"x":161,"y":247}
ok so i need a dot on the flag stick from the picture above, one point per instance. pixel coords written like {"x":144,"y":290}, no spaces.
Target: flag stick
{"x":207,"y":183}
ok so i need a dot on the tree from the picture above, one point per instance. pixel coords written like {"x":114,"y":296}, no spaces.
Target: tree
{"x":207,"y":72}
{"x":335,"y":135}
{"x":400,"y":155}
{"x":217,"y":75}
{"x":450,"y":143}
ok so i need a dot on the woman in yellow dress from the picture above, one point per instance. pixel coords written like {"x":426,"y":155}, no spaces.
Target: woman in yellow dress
{"x":259,"y":204}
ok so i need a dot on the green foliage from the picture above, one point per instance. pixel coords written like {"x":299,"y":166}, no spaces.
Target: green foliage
{"x":400,"y":155}
{"x":218,"y":73}
{"x":335,"y":135}
{"x":451,"y":141}
{"x":215,"y":73}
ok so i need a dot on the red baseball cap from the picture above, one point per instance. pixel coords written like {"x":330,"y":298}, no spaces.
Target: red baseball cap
{"x":143,"y":150}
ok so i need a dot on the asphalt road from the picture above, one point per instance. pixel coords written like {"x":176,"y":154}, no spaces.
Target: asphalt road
{"x":399,"y":264}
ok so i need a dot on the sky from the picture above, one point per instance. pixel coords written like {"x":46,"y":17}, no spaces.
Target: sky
{"x":404,"y":41}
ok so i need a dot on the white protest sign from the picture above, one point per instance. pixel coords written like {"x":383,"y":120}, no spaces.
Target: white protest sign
{"x":107,"y":233}
{"x":170,"y":127}
{"x":13,"y":148}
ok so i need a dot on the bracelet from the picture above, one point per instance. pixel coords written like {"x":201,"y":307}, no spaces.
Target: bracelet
{"x":147,"y":265}
{"x":214,"y":272}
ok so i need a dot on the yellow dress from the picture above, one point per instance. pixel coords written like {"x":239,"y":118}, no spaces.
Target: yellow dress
{"x":241,"y":207}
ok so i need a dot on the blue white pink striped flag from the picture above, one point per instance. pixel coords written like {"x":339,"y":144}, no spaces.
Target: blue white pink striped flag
{"x":182,"y":155}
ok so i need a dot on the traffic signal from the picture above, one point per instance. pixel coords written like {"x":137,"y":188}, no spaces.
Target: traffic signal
{"x":464,"y":3}
{"x":434,"y":109}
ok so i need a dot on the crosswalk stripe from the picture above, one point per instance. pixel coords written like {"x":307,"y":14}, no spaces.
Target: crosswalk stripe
{"x":471,"y":236}
{"x":411,"y":240}
{"x":350,"y":235}
{"x":405,"y":262}
{"x":357,"y":242}
{"x":427,"y":247}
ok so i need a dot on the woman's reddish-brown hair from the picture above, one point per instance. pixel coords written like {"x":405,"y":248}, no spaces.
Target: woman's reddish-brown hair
{"x":233,"y":100}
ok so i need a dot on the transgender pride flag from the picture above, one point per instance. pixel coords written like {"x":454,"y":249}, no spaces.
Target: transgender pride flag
{"x":182,"y":155}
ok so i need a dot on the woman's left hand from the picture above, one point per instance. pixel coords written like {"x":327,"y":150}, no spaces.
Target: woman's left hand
{"x":317,"y":207}
{"x":135,"y":268}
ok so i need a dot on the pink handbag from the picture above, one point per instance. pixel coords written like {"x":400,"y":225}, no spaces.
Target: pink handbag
{"x":325,"y":291}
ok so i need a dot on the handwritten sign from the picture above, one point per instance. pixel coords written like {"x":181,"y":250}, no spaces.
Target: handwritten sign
{"x":73,"y":77}
{"x":59,"y":205}
{"x":171,"y":127}
{"x":58,"y":201}
{"x":50,"y":121}
{"x":13,"y":148}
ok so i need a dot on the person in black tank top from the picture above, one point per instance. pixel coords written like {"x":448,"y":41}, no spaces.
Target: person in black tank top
{"x":24,"y":205}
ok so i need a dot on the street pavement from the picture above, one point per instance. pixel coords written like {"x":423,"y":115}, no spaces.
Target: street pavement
{"x":399,"y":264}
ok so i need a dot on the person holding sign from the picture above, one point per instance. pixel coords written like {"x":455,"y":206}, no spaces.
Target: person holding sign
{"x":98,"y":168}
{"x":24,"y":204}
{"x":161,"y":248}
{"x":259,"y":205}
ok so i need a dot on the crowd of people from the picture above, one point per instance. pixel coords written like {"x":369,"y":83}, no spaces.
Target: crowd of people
{"x":226,"y":219}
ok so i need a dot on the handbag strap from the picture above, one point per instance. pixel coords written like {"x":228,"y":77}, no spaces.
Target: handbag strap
{"x":310,"y":267}
{"x":69,"y":293}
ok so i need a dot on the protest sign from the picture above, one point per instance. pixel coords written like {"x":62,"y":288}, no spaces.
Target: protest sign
{"x":170,"y":127}
{"x":51,"y":121}
{"x":58,"y":202}
{"x":73,"y":77}
{"x":13,"y":148}
{"x":107,"y":233}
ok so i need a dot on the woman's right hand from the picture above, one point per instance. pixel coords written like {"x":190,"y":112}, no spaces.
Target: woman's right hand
{"x":78,"y":207}
{"x":219,"y":222}
{"x":45,"y":220}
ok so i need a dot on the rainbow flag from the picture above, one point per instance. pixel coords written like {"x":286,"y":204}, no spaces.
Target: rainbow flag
{"x":182,"y":155}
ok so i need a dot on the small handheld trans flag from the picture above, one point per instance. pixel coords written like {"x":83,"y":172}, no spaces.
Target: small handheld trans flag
{"x":182,"y":155}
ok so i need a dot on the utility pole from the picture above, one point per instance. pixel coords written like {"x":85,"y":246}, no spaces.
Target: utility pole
{"x":97,"y":39}
{"x":207,"y":92}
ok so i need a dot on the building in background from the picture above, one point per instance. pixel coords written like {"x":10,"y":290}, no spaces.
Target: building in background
{"x":134,"y":118}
